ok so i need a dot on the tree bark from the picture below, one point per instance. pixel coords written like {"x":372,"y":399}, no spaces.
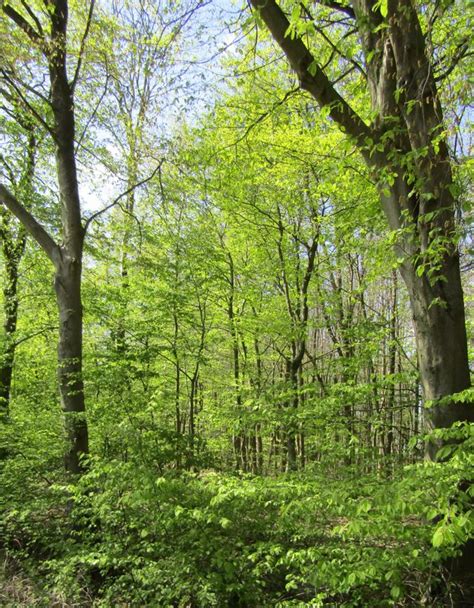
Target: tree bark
{"x":67,"y":257}
{"x":10,"y":306}
{"x":71,"y":387}
{"x":13,"y":248}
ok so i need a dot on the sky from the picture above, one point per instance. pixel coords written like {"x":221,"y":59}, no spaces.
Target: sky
{"x":208,"y":38}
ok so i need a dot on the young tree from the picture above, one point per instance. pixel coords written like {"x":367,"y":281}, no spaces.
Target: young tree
{"x":13,"y":242}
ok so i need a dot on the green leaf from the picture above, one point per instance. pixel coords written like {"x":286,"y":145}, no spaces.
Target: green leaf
{"x":438,"y":537}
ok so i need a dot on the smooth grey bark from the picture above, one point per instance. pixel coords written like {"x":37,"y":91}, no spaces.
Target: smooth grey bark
{"x":67,"y":286}
{"x":69,"y":266}
{"x":66,"y":257}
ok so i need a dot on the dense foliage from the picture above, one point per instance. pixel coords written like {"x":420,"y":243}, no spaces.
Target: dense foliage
{"x":255,"y":430}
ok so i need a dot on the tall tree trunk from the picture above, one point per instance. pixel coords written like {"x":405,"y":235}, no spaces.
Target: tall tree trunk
{"x":440,"y":330}
{"x":239,"y":434}
{"x":10,"y":305}
{"x":177,"y":391}
{"x":68,"y":293}
{"x":292,"y":368}
{"x":66,"y":257}
{"x":390,"y":395}
{"x":69,"y":264}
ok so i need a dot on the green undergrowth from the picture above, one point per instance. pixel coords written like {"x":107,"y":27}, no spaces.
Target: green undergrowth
{"x":127,"y":535}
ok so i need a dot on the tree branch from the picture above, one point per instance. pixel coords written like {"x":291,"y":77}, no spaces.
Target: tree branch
{"x":9,"y":97}
{"x":33,"y":227}
{"x":461,"y":51}
{"x":93,"y":114}
{"x":34,"y":17}
{"x":263,"y":116}
{"x":334,"y":47}
{"x":311,"y":76}
{"x":23,"y":24}
{"x":338,"y":6}
{"x":120,"y":196}
{"x":83,"y":43}
{"x":40,"y":332}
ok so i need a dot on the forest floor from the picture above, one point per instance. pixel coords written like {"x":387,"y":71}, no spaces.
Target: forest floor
{"x":18,"y":590}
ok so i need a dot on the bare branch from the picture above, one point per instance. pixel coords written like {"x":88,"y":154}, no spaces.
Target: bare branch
{"x":33,"y":227}
{"x":9,"y":78}
{"x":83,"y":43}
{"x":25,"y":102}
{"x":93,"y":114}
{"x":23,"y":24}
{"x":34,"y":17}
{"x":95,"y":215}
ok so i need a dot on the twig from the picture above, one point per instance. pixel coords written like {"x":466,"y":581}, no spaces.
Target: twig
{"x":95,"y":215}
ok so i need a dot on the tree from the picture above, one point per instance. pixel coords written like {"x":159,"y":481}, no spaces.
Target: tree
{"x":13,"y":242}
{"x":66,"y":256}
{"x":405,"y":147}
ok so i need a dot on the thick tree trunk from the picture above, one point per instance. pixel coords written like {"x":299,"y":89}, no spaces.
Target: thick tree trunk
{"x":405,"y":148}
{"x":418,"y":202}
{"x":411,"y":164}
{"x":71,"y":387}
{"x":431,"y":273}
{"x":67,"y":257}
{"x":69,"y":263}
{"x":440,"y":329}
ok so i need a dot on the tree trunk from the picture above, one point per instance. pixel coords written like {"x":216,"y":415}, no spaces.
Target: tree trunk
{"x":13,"y":248}
{"x":441,"y":340}
{"x":69,"y":263}
{"x":406,"y":150}
{"x":11,"y":313}
{"x":67,"y":257}
{"x":292,"y":371}
{"x":437,"y":305}
{"x":71,"y":387}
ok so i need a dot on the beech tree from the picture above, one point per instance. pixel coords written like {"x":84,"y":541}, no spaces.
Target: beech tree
{"x":242,"y":311}
{"x":46,"y":32}
{"x":405,"y":148}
